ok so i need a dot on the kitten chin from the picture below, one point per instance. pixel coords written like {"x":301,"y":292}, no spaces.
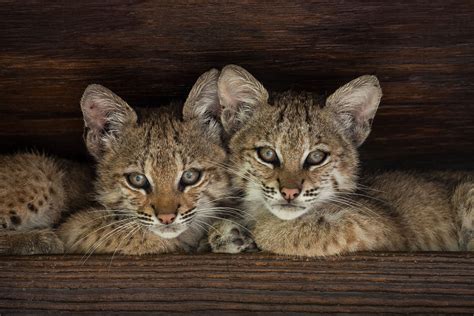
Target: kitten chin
{"x":168,"y":232}
{"x":287,"y":212}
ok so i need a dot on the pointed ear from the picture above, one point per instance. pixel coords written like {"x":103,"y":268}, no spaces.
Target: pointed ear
{"x":202,"y":100}
{"x":203,"y":104}
{"x":106,"y":115}
{"x":355,"y":104}
{"x":239,"y":95}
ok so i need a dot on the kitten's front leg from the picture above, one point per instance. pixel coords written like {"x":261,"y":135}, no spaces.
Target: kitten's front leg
{"x":320,"y":235}
{"x":229,"y":236}
{"x":33,"y":242}
{"x":99,"y":231}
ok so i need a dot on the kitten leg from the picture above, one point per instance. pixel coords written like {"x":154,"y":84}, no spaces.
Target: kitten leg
{"x":94,"y":231}
{"x":99,"y":231}
{"x":326,"y":234}
{"x":229,"y":237}
{"x":33,"y":242}
{"x":463,"y":201}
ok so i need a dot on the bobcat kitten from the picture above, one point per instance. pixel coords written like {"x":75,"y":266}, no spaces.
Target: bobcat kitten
{"x":158,"y":176}
{"x":297,"y":164}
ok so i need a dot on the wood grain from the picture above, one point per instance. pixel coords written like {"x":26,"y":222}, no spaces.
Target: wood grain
{"x":151,"y":51}
{"x":366,"y":283}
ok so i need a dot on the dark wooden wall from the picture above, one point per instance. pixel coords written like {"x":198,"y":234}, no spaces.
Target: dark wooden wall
{"x":150,"y":51}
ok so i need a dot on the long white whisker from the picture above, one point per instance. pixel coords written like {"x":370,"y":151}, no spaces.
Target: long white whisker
{"x":101,"y":228}
{"x":132,"y":232}
{"x":228,"y":220}
{"x":364,"y":195}
{"x":107,"y":236}
{"x":231,"y":169}
{"x":236,"y":214}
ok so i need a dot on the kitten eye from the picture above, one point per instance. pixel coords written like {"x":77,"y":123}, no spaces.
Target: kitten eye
{"x":267,"y":154}
{"x":137,"y":180}
{"x":190,"y":177}
{"x":316,"y":157}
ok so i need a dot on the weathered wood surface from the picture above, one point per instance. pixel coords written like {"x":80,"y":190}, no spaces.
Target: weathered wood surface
{"x":367,"y":283}
{"x":150,"y":51}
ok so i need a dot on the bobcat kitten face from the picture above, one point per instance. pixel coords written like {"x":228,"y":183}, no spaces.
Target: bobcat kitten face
{"x":161,"y":168}
{"x":165,"y":171}
{"x":297,"y":157}
{"x":294,"y":154}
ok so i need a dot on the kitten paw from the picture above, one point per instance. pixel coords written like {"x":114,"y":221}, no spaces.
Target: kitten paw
{"x":49,"y":243}
{"x":227,"y":237}
{"x":30,"y":243}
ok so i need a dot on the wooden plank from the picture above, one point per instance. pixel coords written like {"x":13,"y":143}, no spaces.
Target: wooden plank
{"x":365,"y":283}
{"x":51,"y":52}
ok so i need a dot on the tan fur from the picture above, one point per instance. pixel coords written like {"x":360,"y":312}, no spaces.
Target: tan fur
{"x":30,"y":242}
{"x":336,"y":213}
{"x":161,"y":145}
{"x":164,"y":147}
{"x":157,"y":143}
{"x":36,"y":189}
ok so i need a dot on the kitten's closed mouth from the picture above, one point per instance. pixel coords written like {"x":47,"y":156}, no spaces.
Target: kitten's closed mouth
{"x":290,"y":206}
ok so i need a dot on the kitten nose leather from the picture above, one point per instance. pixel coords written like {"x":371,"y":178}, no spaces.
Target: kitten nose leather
{"x":166,"y":218}
{"x":290,"y":194}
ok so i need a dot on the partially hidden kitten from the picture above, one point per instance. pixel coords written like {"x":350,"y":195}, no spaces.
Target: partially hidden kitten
{"x":159,"y":180}
{"x":295,"y":159}
{"x":35,"y":190}
{"x":36,"y":193}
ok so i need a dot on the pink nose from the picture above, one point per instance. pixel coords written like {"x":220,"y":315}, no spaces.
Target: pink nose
{"x":290,"y":194}
{"x":166,"y":218}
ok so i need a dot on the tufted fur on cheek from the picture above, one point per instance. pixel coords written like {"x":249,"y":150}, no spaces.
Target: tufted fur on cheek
{"x":239,"y":94}
{"x":355,"y":105}
{"x":106,"y":116}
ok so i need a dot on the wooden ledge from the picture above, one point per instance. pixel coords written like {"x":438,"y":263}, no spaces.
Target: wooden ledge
{"x":363,"y":283}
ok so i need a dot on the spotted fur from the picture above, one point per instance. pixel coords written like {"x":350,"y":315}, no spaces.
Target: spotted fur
{"x":36,"y":189}
{"x":160,"y":144}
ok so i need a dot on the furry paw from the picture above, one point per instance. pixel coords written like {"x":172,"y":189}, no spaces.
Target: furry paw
{"x":227,"y":237}
{"x":49,"y":243}
{"x":30,"y":243}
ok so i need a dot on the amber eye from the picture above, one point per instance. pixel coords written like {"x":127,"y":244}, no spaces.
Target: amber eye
{"x":137,"y":180}
{"x":267,"y":154}
{"x":316,"y":157}
{"x":190,"y":177}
